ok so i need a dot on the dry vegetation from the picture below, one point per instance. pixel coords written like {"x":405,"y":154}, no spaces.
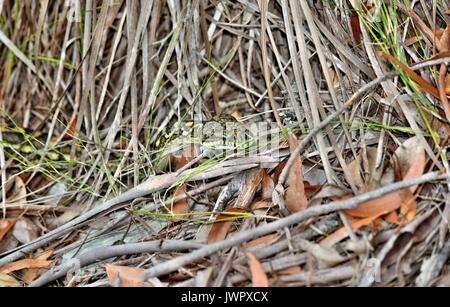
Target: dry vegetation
{"x":358,"y":194}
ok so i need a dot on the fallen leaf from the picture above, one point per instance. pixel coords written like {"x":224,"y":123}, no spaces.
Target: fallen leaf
{"x":8,"y":281}
{"x":290,"y":270}
{"x":261,"y":204}
{"x":5,"y":227}
{"x":412,"y":158}
{"x":444,"y":40}
{"x":295,"y":198}
{"x":19,"y":192}
{"x":392,"y":218}
{"x":128,"y":276}
{"x":409,"y":209}
{"x":381,"y":205}
{"x":327,"y":257}
{"x":365,"y":166}
{"x":31,"y":274}
{"x":25,"y":230}
{"x":278,"y":170}
{"x":70,"y":131}
{"x":25,"y":264}
{"x":447,"y":84}
{"x":267,"y":186}
{"x":425,"y":85}
{"x":262,"y":240}
{"x":259,"y":277}
{"x":182,"y":206}
{"x":342,"y":233}
{"x":311,"y":190}
{"x":222,"y":225}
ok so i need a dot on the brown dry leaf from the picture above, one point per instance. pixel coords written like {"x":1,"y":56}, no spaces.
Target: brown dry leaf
{"x":447,"y":84}
{"x":425,"y":85}
{"x":220,"y":228}
{"x":259,"y":277}
{"x":295,"y":198}
{"x":18,"y":194}
{"x":334,"y":77}
{"x":261,"y":204}
{"x":382,"y":205}
{"x":263,"y":240}
{"x":444,"y":40}
{"x":341,"y":233}
{"x":5,"y":227}
{"x":71,"y":129}
{"x":182,"y":206}
{"x":32,"y":274}
{"x":411,"y":156}
{"x":290,"y":270}
{"x":367,"y":166}
{"x":412,"y":159}
{"x":8,"y":281}
{"x":278,"y":170}
{"x":25,"y":264}
{"x":311,"y":189}
{"x":128,"y":276}
{"x":409,"y":209}
{"x":327,"y":257}
{"x":392,"y":218}
{"x":267,"y":186}
{"x":25,"y":230}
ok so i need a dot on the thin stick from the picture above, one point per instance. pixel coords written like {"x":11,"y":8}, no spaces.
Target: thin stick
{"x":102,"y":253}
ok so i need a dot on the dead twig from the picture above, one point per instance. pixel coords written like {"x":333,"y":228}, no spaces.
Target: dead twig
{"x":102,"y":253}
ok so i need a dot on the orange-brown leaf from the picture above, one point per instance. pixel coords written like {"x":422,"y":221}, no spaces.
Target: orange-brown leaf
{"x":70,"y":132}
{"x":278,"y":170}
{"x":5,"y":227}
{"x":425,"y":85}
{"x":267,"y":186}
{"x":447,"y":85}
{"x":444,"y":40}
{"x":128,"y":276}
{"x":31,"y":274}
{"x":262,"y":204}
{"x":262,"y":240}
{"x":381,"y":205}
{"x":412,"y":158}
{"x":25,"y":264}
{"x":220,"y":228}
{"x":409,"y":209}
{"x":290,"y":270}
{"x":182,"y":206}
{"x":341,"y":233}
{"x":295,"y":197}
{"x":259,"y":277}
{"x":311,"y":189}
{"x":392,"y":218}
